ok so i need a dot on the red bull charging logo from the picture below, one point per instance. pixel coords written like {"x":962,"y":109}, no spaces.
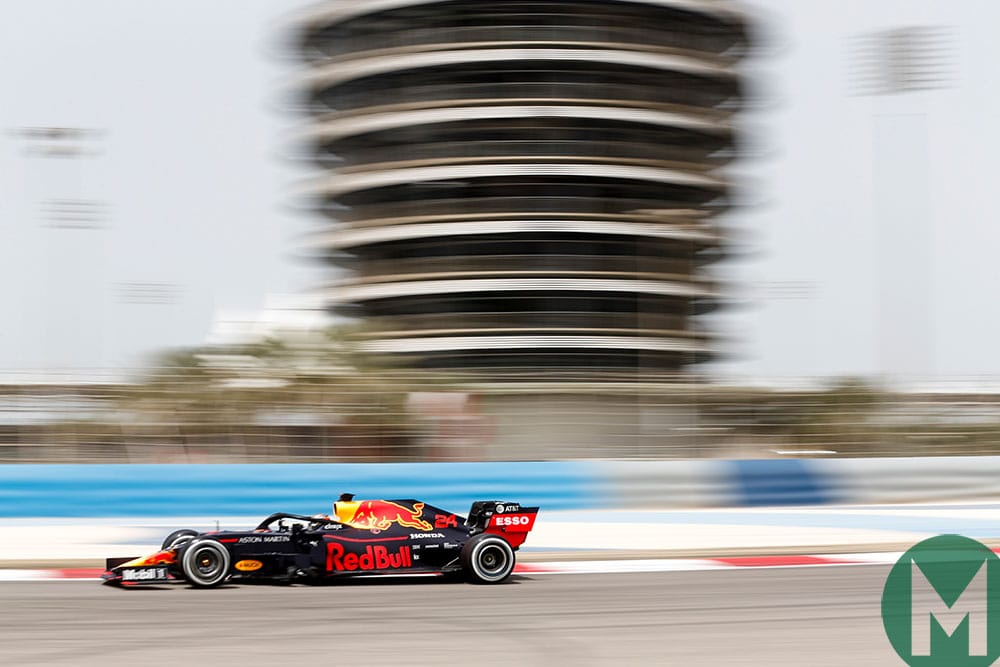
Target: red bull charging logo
{"x":381,"y":514}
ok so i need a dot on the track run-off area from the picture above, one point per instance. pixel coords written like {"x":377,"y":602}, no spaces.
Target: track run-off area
{"x":814,"y":616}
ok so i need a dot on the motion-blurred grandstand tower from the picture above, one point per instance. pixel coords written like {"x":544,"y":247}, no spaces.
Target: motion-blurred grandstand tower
{"x":524,"y":184}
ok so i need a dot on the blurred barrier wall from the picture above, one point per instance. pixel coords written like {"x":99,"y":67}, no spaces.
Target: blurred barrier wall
{"x":246,"y":489}
{"x":208,"y":490}
{"x":780,"y":482}
{"x":770,"y":482}
{"x":910,"y":479}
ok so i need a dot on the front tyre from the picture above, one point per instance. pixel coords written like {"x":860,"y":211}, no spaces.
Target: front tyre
{"x":205,"y":563}
{"x":177,"y":538}
{"x":487,"y":559}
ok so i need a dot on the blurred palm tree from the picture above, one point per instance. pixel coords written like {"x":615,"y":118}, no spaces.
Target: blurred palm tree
{"x":300,"y":395}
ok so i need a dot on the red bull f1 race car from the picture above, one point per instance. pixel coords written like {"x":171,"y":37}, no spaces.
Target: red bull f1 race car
{"x":361,"y":537}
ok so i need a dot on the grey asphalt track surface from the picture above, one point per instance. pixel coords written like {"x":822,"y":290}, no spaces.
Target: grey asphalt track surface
{"x":815,"y":616}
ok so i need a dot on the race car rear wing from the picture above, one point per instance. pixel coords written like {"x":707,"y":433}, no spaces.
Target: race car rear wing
{"x":507,"y":519}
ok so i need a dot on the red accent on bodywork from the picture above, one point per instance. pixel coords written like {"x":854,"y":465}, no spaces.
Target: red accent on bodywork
{"x":365,"y":540}
{"x":230,"y":540}
{"x":513,"y":527}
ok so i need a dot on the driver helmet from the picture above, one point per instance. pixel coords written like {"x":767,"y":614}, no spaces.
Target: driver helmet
{"x":345,"y":507}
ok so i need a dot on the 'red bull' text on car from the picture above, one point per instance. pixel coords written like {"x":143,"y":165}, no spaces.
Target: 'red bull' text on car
{"x":361,"y":537}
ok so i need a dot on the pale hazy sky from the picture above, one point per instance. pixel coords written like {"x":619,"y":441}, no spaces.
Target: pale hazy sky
{"x":882,"y":210}
{"x":874,"y":239}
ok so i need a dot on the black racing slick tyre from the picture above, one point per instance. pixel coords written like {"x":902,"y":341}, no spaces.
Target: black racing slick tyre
{"x":487,"y":559}
{"x":205,"y":563}
{"x":177,"y":538}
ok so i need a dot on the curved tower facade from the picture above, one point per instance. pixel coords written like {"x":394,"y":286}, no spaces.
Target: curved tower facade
{"x":524,"y":184}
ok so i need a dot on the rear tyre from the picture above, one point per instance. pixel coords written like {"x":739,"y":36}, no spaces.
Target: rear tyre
{"x":177,"y":538}
{"x":205,"y":563}
{"x":487,"y":559}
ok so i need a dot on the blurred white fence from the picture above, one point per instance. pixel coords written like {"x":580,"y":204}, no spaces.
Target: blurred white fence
{"x":198,"y":415}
